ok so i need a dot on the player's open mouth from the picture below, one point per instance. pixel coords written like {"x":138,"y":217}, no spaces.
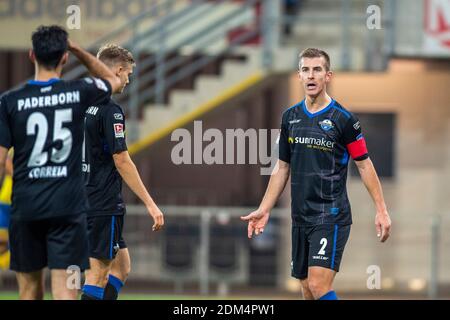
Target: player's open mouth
{"x":311,"y":86}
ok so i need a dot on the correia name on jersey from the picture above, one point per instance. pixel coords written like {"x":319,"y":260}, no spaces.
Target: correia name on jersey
{"x":48,"y":172}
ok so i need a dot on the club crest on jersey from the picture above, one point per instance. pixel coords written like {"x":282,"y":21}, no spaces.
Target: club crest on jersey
{"x":118,"y":130}
{"x":326,"y":124}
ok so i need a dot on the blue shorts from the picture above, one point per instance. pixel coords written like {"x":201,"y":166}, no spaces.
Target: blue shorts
{"x":5,"y":211}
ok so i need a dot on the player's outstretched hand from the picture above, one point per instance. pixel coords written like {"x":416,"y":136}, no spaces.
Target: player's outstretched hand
{"x":383,"y":225}
{"x":158,"y":218}
{"x":257,"y":220}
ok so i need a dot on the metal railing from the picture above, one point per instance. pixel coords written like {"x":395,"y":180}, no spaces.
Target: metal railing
{"x":159,"y":9}
{"x":419,"y":239}
{"x":208,"y":247}
{"x":160,"y":53}
{"x":162,"y":66}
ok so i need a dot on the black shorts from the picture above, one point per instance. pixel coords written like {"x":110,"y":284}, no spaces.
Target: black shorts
{"x":321,"y":246}
{"x":105,"y":236}
{"x":57,"y":242}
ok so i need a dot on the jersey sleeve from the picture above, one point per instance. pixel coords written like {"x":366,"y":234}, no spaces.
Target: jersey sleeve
{"x":5,"y":128}
{"x":97,"y":91}
{"x":284,"y":150}
{"x":114,"y":129}
{"x":354,"y":139}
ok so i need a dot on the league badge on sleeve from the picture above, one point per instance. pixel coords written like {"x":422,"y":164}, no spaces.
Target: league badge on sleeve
{"x":118,"y":116}
{"x":118,"y":130}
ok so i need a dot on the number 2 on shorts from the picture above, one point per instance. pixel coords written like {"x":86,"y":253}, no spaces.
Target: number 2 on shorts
{"x":323,"y":242}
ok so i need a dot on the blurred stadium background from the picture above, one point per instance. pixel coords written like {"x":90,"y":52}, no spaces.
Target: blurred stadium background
{"x":232,"y":64}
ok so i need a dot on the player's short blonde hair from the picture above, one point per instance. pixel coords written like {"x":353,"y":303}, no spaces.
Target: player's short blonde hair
{"x":315,"y":53}
{"x":112,"y":54}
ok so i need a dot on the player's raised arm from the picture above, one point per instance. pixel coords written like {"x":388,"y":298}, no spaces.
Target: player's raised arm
{"x":96,"y":67}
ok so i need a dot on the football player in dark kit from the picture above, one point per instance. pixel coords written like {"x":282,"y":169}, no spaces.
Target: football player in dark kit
{"x":317,"y":137}
{"x":105,"y":163}
{"x":43,"y":121}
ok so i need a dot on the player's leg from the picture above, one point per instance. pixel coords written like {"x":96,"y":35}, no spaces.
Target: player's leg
{"x":4,"y":223}
{"x":120,"y":270}
{"x":307,"y":294}
{"x":4,"y":260}
{"x":121,"y":266}
{"x":104,"y":234}
{"x":4,"y":236}
{"x":67,"y":248}
{"x":299,"y":264}
{"x":60,"y":288}
{"x":96,"y":279}
{"x":3,"y":240}
{"x":320,"y":283}
{"x":327,"y":243}
{"x":4,"y":250}
{"x":31,"y":285}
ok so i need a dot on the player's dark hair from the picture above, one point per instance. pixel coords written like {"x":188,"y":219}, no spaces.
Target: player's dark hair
{"x":316,"y":53}
{"x":49,"y":45}
{"x":112,"y":54}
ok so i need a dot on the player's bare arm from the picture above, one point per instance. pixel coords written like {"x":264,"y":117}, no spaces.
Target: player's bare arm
{"x":96,"y":67}
{"x":130,"y":175}
{"x":257,"y":220}
{"x":3,"y":156}
{"x":370,"y":178}
{"x":9,"y":166}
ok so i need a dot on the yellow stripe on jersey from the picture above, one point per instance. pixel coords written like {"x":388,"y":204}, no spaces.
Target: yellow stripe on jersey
{"x":6,"y":187}
{"x":6,"y":190}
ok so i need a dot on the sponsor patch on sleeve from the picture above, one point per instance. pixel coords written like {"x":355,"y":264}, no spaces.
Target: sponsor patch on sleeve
{"x":89,"y":80}
{"x":118,"y":130}
{"x":100,"y":84}
{"x":118,"y":116}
